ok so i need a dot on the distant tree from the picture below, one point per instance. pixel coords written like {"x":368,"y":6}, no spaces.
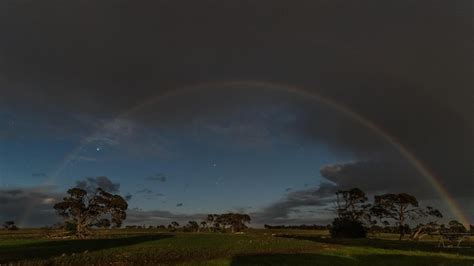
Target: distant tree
{"x":173,"y":226}
{"x":10,"y":225}
{"x":239,"y":222}
{"x":301,"y":226}
{"x":131,"y":227}
{"x":87,"y":209}
{"x":192,"y":226}
{"x":400,"y":208}
{"x":212,"y":223}
{"x":235,"y":221}
{"x":351,"y":204}
{"x":204,"y":225}
{"x":471,"y":228}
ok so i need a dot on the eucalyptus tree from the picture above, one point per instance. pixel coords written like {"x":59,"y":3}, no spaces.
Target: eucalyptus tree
{"x":84,"y":209}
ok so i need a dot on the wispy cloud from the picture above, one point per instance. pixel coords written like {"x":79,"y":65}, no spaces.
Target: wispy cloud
{"x":144,"y":191}
{"x":157,"y":177}
{"x":85,"y":158}
{"x":92,"y":183}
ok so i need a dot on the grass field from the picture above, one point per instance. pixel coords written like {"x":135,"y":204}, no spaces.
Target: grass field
{"x":256,"y":247}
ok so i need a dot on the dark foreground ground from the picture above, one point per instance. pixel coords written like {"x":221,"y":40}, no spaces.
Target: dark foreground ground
{"x":257,"y":247}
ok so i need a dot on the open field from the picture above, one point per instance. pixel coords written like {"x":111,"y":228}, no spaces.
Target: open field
{"x":256,"y":247}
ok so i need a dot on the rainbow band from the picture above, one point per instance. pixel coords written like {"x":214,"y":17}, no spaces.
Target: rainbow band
{"x":435,"y":181}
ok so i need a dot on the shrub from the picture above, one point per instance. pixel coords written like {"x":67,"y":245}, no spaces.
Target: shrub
{"x":347,"y":228}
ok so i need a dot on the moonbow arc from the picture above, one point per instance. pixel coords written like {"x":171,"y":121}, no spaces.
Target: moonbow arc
{"x":433,"y":179}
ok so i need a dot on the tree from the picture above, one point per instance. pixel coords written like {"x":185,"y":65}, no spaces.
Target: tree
{"x":192,"y":226}
{"x":352,"y":211}
{"x":400,"y":208}
{"x":173,"y":226}
{"x":421,"y":229}
{"x":456,"y":227}
{"x":204,"y":225}
{"x":351,"y":204}
{"x":235,"y":221}
{"x":10,"y":225}
{"x":212,"y":224}
{"x":86,"y":209}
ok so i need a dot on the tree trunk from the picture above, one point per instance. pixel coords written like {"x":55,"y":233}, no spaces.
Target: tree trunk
{"x":81,"y":230}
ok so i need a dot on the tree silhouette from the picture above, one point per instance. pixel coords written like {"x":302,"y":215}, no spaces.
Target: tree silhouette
{"x":173,"y":226}
{"x":204,"y":225}
{"x":400,"y":208}
{"x":192,"y":226}
{"x":456,"y":227}
{"x":351,"y":204}
{"x":235,"y":221}
{"x":421,"y":229}
{"x":211,"y":221}
{"x":10,"y":225}
{"x":85,"y":209}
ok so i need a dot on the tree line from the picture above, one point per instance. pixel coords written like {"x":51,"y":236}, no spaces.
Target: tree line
{"x":355,"y":216}
{"x":390,"y":212}
{"x":227,"y":222}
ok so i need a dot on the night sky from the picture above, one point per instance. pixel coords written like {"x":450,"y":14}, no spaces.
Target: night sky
{"x":194,"y":107}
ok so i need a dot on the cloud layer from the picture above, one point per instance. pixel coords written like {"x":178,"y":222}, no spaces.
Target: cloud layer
{"x":29,"y":206}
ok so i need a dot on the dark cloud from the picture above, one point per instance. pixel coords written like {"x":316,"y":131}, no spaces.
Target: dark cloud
{"x":179,"y":205}
{"x":38,"y":174}
{"x":315,"y":205}
{"x":91,"y":184}
{"x":283,"y":210}
{"x":376,"y":177}
{"x":379,"y":177}
{"x":128,"y":197}
{"x":406,"y":66}
{"x":29,"y":206}
{"x":158,"y":177}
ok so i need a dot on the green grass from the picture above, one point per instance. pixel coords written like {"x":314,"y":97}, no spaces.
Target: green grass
{"x":256,"y":247}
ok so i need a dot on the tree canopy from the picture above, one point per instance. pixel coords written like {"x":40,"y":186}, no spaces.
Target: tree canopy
{"x":85,"y":209}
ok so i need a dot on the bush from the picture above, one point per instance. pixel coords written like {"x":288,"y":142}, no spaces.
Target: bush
{"x":347,"y":228}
